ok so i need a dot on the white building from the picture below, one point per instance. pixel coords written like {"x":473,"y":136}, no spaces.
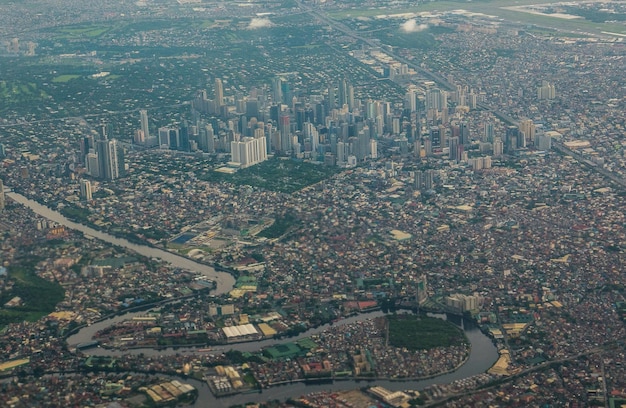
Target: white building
{"x":249,"y":151}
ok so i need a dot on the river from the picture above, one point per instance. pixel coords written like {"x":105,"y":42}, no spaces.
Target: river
{"x":224,"y":281}
{"x":483,"y":353}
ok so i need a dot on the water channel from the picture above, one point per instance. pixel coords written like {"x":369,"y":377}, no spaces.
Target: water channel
{"x":483,"y":352}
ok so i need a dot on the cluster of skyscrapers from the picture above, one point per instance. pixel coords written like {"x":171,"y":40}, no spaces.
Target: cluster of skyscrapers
{"x":334,"y":126}
{"x":103,"y":157}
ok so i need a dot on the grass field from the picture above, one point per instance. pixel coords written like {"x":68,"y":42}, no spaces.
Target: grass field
{"x":419,"y":333}
{"x":38,"y":297}
{"x":64,"y":78}
{"x":286,"y":176}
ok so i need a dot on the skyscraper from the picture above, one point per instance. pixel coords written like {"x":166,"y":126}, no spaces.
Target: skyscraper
{"x":527,"y":127}
{"x":488,"y":135}
{"x":85,"y":190}
{"x":1,"y":196}
{"x":110,"y":159}
{"x":143,"y":116}
{"x":219,"y":92}
{"x":464,"y":134}
{"x":277,"y":91}
{"x":343,"y":92}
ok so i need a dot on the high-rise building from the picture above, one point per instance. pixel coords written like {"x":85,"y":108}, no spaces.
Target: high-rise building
{"x":2,"y":202}
{"x":219,"y":92}
{"x":249,"y":151}
{"x":464,"y":134}
{"x":284,"y":127}
{"x":91,"y":163}
{"x":110,"y":159}
{"x":511,"y":139}
{"x":145,"y":128}
{"x":373,"y":148}
{"x":488,"y":135}
{"x":543,"y":142}
{"x":527,"y":127}
{"x":277,"y":90}
{"x":332,"y":102}
{"x":498,"y":147}
{"x":456,"y":149}
{"x":435,"y":136}
{"x":3,"y":152}
{"x":85,"y":190}
{"x":546,"y":91}
{"x":206,"y":139}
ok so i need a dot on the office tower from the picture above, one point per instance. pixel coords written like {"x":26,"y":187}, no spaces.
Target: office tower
{"x":164,"y":137}
{"x":311,"y":135}
{"x":527,"y":127}
{"x":284,"y":127}
{"x":332,"y":101}
{"x":363,"y":143}
{"x":435,"y":137}
{"x":488,"y":134}
{"x":206,"y":139}
{"x":277,"y":90}
{"x":341,"y":153}
{"x":456,"y":149}
{"x":498,"y":147}
{"x":299,"y":114}
{"x":110,"y":159}
{"x":219,"y":92}
{"x":85,"y":190}
{"x":342,"y":91}
{"x":252,"y":109}
{"x":143,"y":117}
{"x":183,"y":138}
{"x":464,"y":134}
{"x":350,"y":97}
{"x":511,"y":139}
{"x":410,"y":100}
{"x":2,"y":202}
{"x":174,"y":137}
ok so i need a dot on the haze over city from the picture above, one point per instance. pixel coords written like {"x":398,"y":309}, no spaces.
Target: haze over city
{"x":312,"y":203}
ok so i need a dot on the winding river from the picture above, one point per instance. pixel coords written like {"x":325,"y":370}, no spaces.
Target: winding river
{"x":483,"y":353}
{"x":224,"y":281}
